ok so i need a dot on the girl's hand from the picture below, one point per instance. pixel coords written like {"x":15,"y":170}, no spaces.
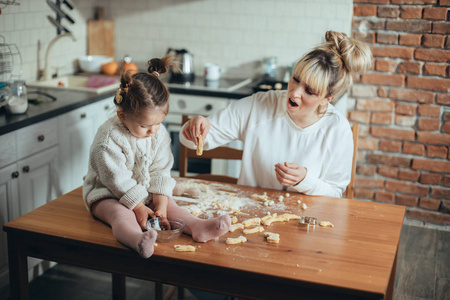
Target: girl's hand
{"x":159,"y":205}
{"x":142,"y":213}
{"x":290,"y":174}
{"x":195,"y":126}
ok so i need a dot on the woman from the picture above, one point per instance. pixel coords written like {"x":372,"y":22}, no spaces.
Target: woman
{"x":294,"y":139}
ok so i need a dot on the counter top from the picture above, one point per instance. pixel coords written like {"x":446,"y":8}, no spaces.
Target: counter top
{"x":70,"y":100}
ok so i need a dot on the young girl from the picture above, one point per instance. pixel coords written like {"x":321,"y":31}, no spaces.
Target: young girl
{"x":128,"y":178}
{"x":294,"y":139}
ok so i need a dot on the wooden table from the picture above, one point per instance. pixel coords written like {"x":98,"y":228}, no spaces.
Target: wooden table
{"x":354,"y":260}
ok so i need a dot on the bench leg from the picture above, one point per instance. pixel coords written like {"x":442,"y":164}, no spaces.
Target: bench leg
{"x":118,"y":287}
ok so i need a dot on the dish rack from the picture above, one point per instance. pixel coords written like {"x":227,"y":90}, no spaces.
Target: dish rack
{"x":10,"y":61}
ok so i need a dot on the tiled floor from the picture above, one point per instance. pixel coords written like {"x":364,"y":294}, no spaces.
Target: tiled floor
{"x":423,"y":272}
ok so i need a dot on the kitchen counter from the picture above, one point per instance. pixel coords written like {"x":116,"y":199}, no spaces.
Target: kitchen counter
{"x":70,"y":100}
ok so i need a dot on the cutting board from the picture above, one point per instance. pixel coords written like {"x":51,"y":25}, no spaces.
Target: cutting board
{"x":100,"y":36}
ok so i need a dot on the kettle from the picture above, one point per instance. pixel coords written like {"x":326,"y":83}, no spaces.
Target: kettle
{"x":185,"y":61}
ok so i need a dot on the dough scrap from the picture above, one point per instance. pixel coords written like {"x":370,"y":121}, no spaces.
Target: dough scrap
{"x":260,"y":197}
{"x":200,"y":145}
{"x":184,"y":248}
{"x":236,"y":226}
{"x":254,"y":230}
{"x":238,"y":240}
{"x":252,"y":222}
{"x":326,"y":224}
{"x":272,"y":237}
{"x":280,"y":218}
{"x":234,"y":220}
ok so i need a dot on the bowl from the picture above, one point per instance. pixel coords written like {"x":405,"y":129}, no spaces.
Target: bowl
{"x":168,"y":230}
{"x":93,"y":63}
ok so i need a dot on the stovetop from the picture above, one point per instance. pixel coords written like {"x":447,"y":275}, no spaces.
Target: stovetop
{"x":199,"y":83}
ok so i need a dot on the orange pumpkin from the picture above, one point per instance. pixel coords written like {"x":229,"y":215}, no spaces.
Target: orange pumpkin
{"x":110,"y":68}
{"x":127,"y":64}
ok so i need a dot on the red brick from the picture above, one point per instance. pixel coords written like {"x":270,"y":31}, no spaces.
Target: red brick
{"x":388,"y":12}
{"x":434,"y":69}
{"x":446,"y":115}
{"x":445,"y":207}
{"x":382,"y":92}
{"x":390,"y":160}
{"x":366,"y":37}
{"x":434,"y":84}
{"x":361,"y":90}
{"x":394,"y":52}
{"x":393,"y":133}
{"x":444,"y":2}
{"x":365,"y":143}
{"x":435,"y":13}
{"x":386,"y":65}
{"x":364,"y":24}
{"x":433,"y":138}
{"x":413,"y":148}
{"x":409,"y":175}
{"x":387,"y":38}
{"x":429,"y":110}
{"x":369,"y":182}
{"x":432,"y":55}
{"x":443,"y":99}
{"x":390,"y":146}
{"x":359,"y":116}
{"x":418,"y":2}
{"x":410,"y":39}
{"x":437,"y":151}
{"x":441,"y":27}
{"x":383,"y":196}
{"x":428,"y":124}
{"x":383,"y":79}
{"x":405,"y":121}
{"x":428,"y":216}
{"x":375,"y":105}
{"x":387,"y":171}
{"x":368,"y":170}
{"x":430,"y":178}
{"x":410,"y":12}
{"x":433,"y":40}
{"x":364,"y":194}
{"x":406,"y":200}
{"x":381,"y":118}
{"x":364,"y":10}
{"x":405,"y":109}
{"x":411,"y":95}
{"x":430,"y":204}
{"x":437,"y":166}
{"x":410,"y":67}
{"x":447,"y":180}
{"x":446,"y":127}
{"x":406,"y":187}
{"x":418,"y":26}
{"x":440,"y":192}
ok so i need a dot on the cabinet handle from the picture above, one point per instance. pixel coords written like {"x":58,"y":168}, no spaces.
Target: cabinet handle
{"x":208,"y":107}
{"x":106,"y":107}
{"x":15,"y":174}
{"x":83,"y":115}
{"x":41,"y":138}
{"x":26,"y":169}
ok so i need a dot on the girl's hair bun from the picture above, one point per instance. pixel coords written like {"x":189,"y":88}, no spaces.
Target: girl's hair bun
{"x":161,"y":65}
{"x":356,"y":55}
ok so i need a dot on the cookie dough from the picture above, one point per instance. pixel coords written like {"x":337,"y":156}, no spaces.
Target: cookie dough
{"x":271,"y":237}
{"x":200,"y":145}
{"x":254,"y":230}
{"x":236,"y":226}
{"x":184,"y":248}
{"x":281,"y":218}
{"x":238,"y":240}
{"x":326,"y":224}
{"x":252,"y":222}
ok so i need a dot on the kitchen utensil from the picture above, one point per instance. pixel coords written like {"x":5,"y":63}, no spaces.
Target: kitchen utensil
{"x":212,"y":72}
{"x":185,"y":61}
{"x":10,"y":61}
{"x":93,"y":63}
{"x":59,"y":11}
{"x":18,"y":102}
{"x":57,"y":24}
{"x":100,"y":35}
{"x":168,"y":230}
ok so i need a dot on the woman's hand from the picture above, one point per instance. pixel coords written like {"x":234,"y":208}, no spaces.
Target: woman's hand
{"x":142,"y":213}
{"x":195,"y":126}
{"x":289,"y":174}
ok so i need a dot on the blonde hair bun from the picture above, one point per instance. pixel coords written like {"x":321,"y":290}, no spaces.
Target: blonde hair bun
{"x":356,"y":55}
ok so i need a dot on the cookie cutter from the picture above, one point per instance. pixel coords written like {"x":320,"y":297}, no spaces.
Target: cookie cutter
{"x":307,"y":221}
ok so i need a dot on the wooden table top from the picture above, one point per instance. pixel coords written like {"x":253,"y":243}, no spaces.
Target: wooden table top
{"x":358,"y":254}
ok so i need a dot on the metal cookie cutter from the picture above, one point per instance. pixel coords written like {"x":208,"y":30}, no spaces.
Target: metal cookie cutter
{"x":306,"y":221}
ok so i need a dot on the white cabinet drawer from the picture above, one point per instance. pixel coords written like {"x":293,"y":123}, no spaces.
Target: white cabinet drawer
{"x":200,"y":105}
{"x":8,"y":149}
{"x":37,"y":137}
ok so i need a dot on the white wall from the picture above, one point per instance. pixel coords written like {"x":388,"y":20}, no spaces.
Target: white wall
{"x":233,"y":33}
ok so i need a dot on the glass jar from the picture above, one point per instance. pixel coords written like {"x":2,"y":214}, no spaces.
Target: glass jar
{"x":18,"y":103}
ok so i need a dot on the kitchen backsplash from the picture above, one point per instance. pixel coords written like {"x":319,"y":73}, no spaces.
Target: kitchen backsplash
{"x":235,"y":34}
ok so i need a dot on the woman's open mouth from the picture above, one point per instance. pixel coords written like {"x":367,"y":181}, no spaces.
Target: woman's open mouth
{"x":292,"y":103}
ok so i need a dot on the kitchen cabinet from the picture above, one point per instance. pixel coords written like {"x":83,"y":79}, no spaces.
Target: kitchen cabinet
{"x":77,"y":130}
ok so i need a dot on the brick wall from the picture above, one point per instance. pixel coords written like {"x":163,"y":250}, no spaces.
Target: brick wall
{"x":403,"y":105}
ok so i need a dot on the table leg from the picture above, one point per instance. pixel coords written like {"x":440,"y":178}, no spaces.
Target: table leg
{"x":391,"y":285}
{"x":158,"y":291}
{"x":118,"y":287}
{"x":18,"y":269}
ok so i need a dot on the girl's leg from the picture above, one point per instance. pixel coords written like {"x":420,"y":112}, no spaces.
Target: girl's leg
{"x":125,"y":227}
{"x":201,"y":230}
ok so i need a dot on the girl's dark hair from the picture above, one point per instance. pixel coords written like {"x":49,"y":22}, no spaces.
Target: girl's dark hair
{"x":139,"y":91}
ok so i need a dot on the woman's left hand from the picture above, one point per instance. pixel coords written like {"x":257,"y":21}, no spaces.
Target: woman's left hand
{"x":289,"y":174}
